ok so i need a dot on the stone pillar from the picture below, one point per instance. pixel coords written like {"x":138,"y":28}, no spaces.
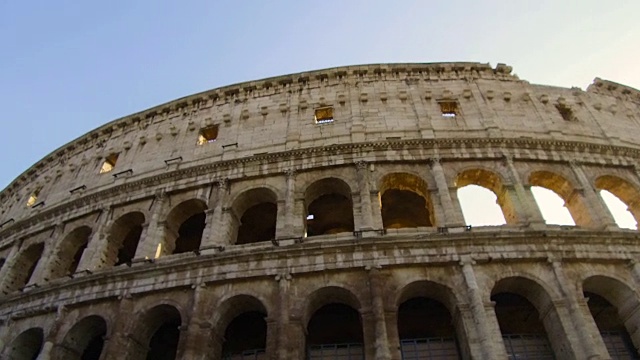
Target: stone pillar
{"x":491,"y":349}
{"x":121,"y":345}
{"x":590,"y":344}
{"x":391,"y":315}
{"x":284,"y":340}
{"x":362,"y":175}
{"x":467,"y":336}
{"x":8,"y":265}
{"x":452,"y":216}
{"x":368,"y":333}
{"x":49,"y":349}
{"x":93,"y":257}
{"x":285,"y":227}
{"x":524,"y":196}
{"x":209,"y":231}
{"x":156,"y":231}
{"x":598,"y":212}
{"x":513,"y":209}
{"x":49,"y":260}
{"x":377,"y":290}
{"x":197,"y":337}
{"x":223,"y":218}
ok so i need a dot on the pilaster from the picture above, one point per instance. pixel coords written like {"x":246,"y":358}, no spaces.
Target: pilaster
{"x":452,"y":215}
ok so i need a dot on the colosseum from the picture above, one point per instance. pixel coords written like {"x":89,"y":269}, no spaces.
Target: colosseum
{"x":317,"y":216}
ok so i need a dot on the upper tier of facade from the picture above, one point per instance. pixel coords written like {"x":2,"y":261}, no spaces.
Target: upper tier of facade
{"x":445,"y":107}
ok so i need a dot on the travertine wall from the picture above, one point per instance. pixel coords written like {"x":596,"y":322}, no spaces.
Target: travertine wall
{"x":508,"y":135}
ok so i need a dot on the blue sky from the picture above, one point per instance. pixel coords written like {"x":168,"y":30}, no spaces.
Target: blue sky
{"x":69,"y":66}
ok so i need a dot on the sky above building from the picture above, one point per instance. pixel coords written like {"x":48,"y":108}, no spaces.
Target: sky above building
{"x":68,"y":67}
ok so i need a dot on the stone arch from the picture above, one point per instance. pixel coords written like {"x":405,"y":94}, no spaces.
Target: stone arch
{"x":526,"y":313}
{"x":333,"y":322}
{"x":493,"y":182}
{"x":242,"y":325}
{"x":329,"y":207}
{"x":622,"y":297}
{"x":84,"y":341}
{"x":405,"y":201}
{"x":623,"y":190}
{"x":184,"y":226}
{"x":123,"y":238}
{"x":26,"y":346}
{"x":257,"y":210}
{"x":69,"y":252}
{"x":23,"y":267}
{"x":572,"y":197}
{"x":158,"y":331}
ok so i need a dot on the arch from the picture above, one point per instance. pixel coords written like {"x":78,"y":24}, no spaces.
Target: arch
{"x":84,"y":341}
{"x":23,"y":268}
{"x":623,"y":313}
{"x":623,"y":190}
{"x":334,"y":325}
{"x":69,"y":252}
{"x":425,"y":324}
{"x":184,"y":226}
{"x":26,"y":346}
{"x":158,"y":329}
{"x":572,"y":198}
{"x":124,"y":236}
{"x":405,"y":201}
{"x":526,"y":315}
{"x":257,"y":210}
{"x":492,"y":182}
{"x":243,"y":323}
{"x":329,"y":207}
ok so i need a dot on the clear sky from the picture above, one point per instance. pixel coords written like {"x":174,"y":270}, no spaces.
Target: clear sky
{"x":67,"y":67}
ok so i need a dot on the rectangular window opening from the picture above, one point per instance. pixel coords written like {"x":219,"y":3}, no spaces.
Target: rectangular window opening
{"x":449,"y":108}
{"x":566,"y":112}
{"x":109,"y":163}
{"x":324,"y":115}
{"x":33,"y":198}
{"x":208,"y":134}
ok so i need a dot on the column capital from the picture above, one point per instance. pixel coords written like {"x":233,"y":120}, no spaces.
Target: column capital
{"x":361,"y":164}
{"x":222,"y":183}
{"x":283,"y":277}
{"x":290,"y":173}
{"x":434,"y":160}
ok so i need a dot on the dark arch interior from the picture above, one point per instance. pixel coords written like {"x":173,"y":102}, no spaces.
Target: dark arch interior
{"x":129,"y":244}
{"x":246,"y":335}
{"x":27,"y":345}
{"x":190,"y":234}
{"x":403,"y":209}
{"x":613,"y":332}
{"x":258,"y":223}
{"x":331,"y":214}
{"x":335,"y":332}
{"x":80,"y":241}
{"x":25,"y":266}
{"x":164,"y":341}
{"x":125,"y":235}
{"x":523,"y":333}
{"x":86,"y":339}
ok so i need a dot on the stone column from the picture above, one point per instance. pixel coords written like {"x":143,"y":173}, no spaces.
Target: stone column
{"x":286,"y":218}
{"x":590,"y":342}
{"x":121,"y":345}
{"x":8,"y":265}
{"x":524,"y":196}
{"x":49,"y":349}
{"x":452,"y":216}
{"x":197,"y":337}
{"x":218,"y":226}
{"x":156,"y":231}
{"x":284,"y":339}
{"x":488,"y":338}
{"x":377,"y":290}
{"x":362,"y":174}
{"x":47,"y":259}
{"x":93,"y":257}
{"x":598,"y":212}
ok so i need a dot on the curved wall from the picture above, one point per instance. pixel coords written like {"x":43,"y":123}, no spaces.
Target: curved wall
{"x":282,"y":196}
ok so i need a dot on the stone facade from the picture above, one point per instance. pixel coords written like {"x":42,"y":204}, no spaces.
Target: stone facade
{"x":95,"y":248}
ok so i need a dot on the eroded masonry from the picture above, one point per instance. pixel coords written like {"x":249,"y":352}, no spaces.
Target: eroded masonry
{"x":316,"y":216}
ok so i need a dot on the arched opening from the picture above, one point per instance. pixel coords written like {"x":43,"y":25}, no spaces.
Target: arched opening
{"x":622,"y":199}
{"x":185,"y":224}
{"x":160,"y":329}
{"x":124,"y":237}
{"x":559,"y":202}
{"x":522,"y":331}
{"x":614,"y":334}
{"x":329,"y":207}
{"x":26,"y":346}
{"x":404,"y":202}
{"x":246,"y":337}
{"x":483,"y":199}
{"x":335,"y":332}
{"x":23,"y":268}
{"x":258,"y":211}
{"x":69,"y":252}
{"x":426,"y":330}
{"x":85,"y":340}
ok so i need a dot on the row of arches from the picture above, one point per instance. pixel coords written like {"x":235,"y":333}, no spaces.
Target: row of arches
{"x":427,"y":324}
{"x":405,"y":201}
